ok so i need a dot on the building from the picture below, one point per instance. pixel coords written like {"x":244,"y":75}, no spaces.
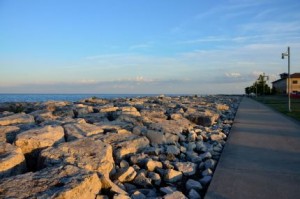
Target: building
{"x":281,"y":85}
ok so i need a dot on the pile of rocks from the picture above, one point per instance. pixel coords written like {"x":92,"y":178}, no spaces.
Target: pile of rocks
{"x":150,"y":147}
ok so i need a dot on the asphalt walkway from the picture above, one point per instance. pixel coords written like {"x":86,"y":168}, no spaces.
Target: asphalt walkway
{"x":261,"y":159}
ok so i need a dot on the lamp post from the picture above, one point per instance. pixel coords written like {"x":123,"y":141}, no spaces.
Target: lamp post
{"x":282,"y":56}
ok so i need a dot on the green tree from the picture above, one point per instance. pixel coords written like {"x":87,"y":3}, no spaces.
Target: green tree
{"x":260,"y":86}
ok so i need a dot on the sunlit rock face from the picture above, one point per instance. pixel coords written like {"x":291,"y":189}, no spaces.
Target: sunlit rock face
{"x":149,"y":147}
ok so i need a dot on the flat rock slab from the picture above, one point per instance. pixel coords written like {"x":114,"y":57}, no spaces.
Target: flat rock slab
{"x":124,"y":143}
{"x":20,"y":118}
{"x":81,"y":130}
{"x":92,"y":155}
{"x":12,"y":160}
{"x":39,"y":138}
{"x":68,"y":182}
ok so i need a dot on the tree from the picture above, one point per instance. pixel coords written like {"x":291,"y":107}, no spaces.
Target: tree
{"x":260,"y":86}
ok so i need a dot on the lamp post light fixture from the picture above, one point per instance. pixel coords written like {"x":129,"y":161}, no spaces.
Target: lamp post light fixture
{"x":288,"y":54}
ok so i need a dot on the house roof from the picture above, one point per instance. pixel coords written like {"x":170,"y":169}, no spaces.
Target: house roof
{"x":294,"y":75}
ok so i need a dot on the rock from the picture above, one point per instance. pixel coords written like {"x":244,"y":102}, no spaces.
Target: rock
{"x":142,"y":180}
{"x":132,"y":111}
{"x":172,"y":175}
{"x":206,"y":118}
{"x":200,"y":147}
{"x":92,"y":155}
{"x":193,"y":184}
{"x":172,"y":149}
{"x":217,"y":137}
{"x":193,"y":194}
{"x":33,"y":141}
{"x":67,"y":182}
{"x":12,"y":160}
{"x":125,"y":174}
{"x":187,"y":168}
{"x":156,"y":137}
{"x":155,"y":178}
{"x":176,"y":194}
{"x":102,"y":197}
{"x":222,"y":107}
{"x":124,"y":144}
{"x":8,"y":133}
{"x":121,"y":196}
{"x":205,"y":180}
{"x":81,"y":130}
{"x":206,"y":155}
{"x":39,"y":138}
{"x":20,"y":118}
{"x":210,"y":164}
{"x":207,"y":172}
{"x":124,"y":164}
{"x":138,"y":195}
{"x":151,"y":165}
{"x":167,"y":190}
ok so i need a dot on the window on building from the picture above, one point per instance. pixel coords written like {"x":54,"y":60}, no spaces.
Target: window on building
{"x":295,"y":81}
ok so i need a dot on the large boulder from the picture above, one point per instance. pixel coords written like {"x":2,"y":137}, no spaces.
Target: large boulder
{"x":124,"y":143}
{"x":81,"y":130}
{"x":68,"y":182}
{"x":12,"y":160}
{"x":206,"y":118}
{"x":33,"y":141}
{"x":20,"y":118}
{"x":92,"y":155}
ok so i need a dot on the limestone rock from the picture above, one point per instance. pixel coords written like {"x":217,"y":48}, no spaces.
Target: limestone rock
{"x":176,"y":194}
{"x":193,"y":194}
{"x":142,"y":180}
{"x":206,"y":118}
{"x":67,"y":182}
{"x":12,"y":160}
{"x":187,"y":168}
{"x":126,"y":174}
{"x":39,"y":138}
{"x":92,"y":155}
{"x":81,"y":130}
{"x":151,"y":165}
{"x":8,"y":133}
{"x":193,"y":184}
{"x":20,"y":118}
{"x":172,"y":175}
{"x":124,"y":143}
{"x":172,"y":149}
{"x":155,"y":178}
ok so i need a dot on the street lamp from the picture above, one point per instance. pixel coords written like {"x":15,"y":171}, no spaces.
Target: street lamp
{"x":288,"y":54}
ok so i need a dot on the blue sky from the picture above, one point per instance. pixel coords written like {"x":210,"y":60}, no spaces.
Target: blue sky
{"x":142,"y":46}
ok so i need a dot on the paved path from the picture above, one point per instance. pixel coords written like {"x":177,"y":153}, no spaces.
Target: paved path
{"x":261,"y":158}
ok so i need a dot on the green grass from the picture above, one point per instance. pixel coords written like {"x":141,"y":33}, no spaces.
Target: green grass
{"x":280,"y":103}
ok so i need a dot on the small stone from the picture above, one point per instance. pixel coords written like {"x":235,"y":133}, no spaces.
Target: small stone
{"x":205,"y":180}
{"x":207,"y":172}
{"x":193,"y":184}
{"x":151,"y":165}
{"x":187,"y":168}
{"x":172,"y":175}
{"x":176,"y":194}
{"x":138,"y":195}
{"x":142,"y":180}
{"x":155,"y":178}
{"x":172,"y":149}
{"x":167,"y":190}
{"x":194,"y":194}
{"x":126,"y":174}
{"x":210,"y":164}
{"x":206,"y":155}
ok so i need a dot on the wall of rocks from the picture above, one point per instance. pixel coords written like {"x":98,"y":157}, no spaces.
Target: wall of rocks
{"x":150,"y":147}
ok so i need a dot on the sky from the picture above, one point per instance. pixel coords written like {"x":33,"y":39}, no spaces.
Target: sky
{"x":145,"y":46}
